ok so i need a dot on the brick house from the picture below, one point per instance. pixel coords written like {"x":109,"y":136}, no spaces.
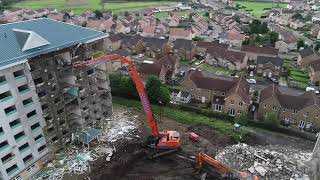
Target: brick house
{"x":307,"y":57}
{"x":298,"y":111}
{"x":174,"y":21}
{"x":134,"y":43}
{"x":232,"y":37}
{"x":148,"y":31}
{"x":314,"y":73}
{"x":225,"y":58}
{"x":269,"y":66}
{"x":113,"y":41}
{"x":180,"y":33}
{"x":201,"y":46}
{"x":230,"y":96}
{"x":156,"y":48}
{"x":184,"y":49}
{"x":253,"y":52}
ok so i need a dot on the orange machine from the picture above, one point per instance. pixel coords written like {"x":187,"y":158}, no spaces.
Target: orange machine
{"x":162,"y":142}
{"x":222,"y":170}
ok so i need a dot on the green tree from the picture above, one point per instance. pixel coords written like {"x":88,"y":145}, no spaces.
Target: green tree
{"x":242,"y":119}
{"x":197,"y":38}
{"x":207,"y":14}
{"x":126,"y":14}
{"x":300,"y":44}
{"x":254,"y":26}
{"x":98,"y":14}
{"x":273,"y":36}
{"x":157,"y":91}
{"x":237,"y":18}
{"x":271,"y":119}
{"x":317,"y":47}
{"x":263,"y":28}
{"x":297,"y":16}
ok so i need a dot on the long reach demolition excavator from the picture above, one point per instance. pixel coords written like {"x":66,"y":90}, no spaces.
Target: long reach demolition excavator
{"x":161,"y":143}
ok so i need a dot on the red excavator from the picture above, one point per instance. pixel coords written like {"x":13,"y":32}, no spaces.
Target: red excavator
{"x":218,"y":170}
{"x":162,"y":143}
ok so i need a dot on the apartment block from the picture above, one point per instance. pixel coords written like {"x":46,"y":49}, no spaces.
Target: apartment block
{"x":44,"y":102}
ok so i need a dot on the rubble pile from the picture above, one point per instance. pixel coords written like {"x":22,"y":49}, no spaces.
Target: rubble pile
{"x":75,"y":160}
{"x":271,"y":162}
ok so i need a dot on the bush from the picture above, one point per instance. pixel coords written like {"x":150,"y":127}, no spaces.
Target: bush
{"x":242,"y":119}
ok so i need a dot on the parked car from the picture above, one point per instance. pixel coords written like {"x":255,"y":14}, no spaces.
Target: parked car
{"x":274,"y":80}
{"x":312,"y":89}
{"x":252,"y":81}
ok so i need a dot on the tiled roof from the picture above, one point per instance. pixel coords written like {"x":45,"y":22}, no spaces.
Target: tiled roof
{"x":261,"y":50}
{"x":277,"y":61}
{"x":60,"y":35}
{"x":150,"y":69}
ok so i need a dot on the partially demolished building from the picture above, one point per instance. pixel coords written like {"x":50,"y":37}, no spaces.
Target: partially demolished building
{"x":44,"y":103}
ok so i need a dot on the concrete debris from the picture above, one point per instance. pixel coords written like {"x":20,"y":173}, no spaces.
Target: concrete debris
{"x":269,"y":162}
{"x":76,"y":160}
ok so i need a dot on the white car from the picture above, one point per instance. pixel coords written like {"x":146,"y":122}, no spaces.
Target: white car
{"x":140,"y":55}
{"x":312,"y":89}
{"x":251,"y":81}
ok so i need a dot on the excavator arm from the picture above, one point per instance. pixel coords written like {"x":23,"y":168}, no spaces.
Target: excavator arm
{"x":139,"y":85}
{"x":222,"y":169}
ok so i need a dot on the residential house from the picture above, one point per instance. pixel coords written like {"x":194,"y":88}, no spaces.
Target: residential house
{"x":232,"y":37}
{"x":223,"y":57}
{"x":301,"y":112}
{"x":297,"y":24}
{"x":314,"y":73}
{"x":314,"y":31}
{"x":134,"y":43}
{"x":161,"y":31}
{"x":253,"y":52}
{"x":113,"y":42}
{"x":171,"y":63}
{"x":184,"y":49}
{"x":200,"y":24}
{"x":180,"y":33}
{"x":116,"y":65}
{"x":269,"y":66}
{"x":230,"y":96}
{"x":316,"y":17}
{"x":156,"y":48}
{"x":118,"y":27}
{"x":201,"y":46}
{"x":173,"y":21}
{"x":148,"y":31}
{"x":307,"y":57}
{"x":287,"y":41}
{"x":285,"y":17}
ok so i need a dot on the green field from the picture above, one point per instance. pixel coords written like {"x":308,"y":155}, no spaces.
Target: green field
{"x":298,"y":75}
{"x":91,"y":5}
{"x":258,"y":8}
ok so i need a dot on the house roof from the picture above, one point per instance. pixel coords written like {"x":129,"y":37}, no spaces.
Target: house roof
{"x":261,"y":50}
{"x":306,"y":52}
{"x":154,"y":44}
{"x":224,"y":53}
{"x":58,"y":35}
{"x":183,"y":44}
{"x":276,"y":61}
{"x":234,"y":34}
{"x":289,"y":101}
{"x":180,"y":32}
{"x":316,"y":66}
{"x":203,"y":44}
{"x":167,"y":60}
{"x":150,"y":69}
{"x":114,"y":37}
{"x":241,"y":87}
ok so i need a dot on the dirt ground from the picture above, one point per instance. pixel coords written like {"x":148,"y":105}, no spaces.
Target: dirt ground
{"x":130,"y":162}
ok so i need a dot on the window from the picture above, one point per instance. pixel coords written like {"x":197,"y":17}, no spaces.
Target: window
{"x":1,"y":131}
{"x":265,"y":106}
{"x":306,"y":114}
{"x":10,"y":110}
{"x":295,"y":111}
{"x":42,"y":148}
{"x":23,"y":88}
{"x":38,"y":137}
{"x":31,"y":168}
{"x":284,"y":110}
{"x":24,"y":147}
{"x":28,"y":158}
{"x":7,"y":158}
{"x":38,"y":81}
{"x":3,"y":80}
{"x":231,"y":112}
{"x":27,"y":101}
{"x":32,"y":114}
{"x":42,"y":93}
{"x":274,"y":108}
{"x":232,"y":102}
{"x":4,"y":145}
{"x":5,"y":96}
{"x":15,"y":123}
{"x":240,"y":103}
{"x":218,"y":107}
{"x":50,"y":129}
{"x":12,"y":169}
{"x":19,"y":136}
{"x":18,"y":74}
{"x":309,"y":125}
{"x":302,"y":124}
{"x":35,"y":126}
{"x":54,"y":139}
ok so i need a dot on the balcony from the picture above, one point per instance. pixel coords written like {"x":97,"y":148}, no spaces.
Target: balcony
{"x":4,"y":147}
{"x":6,"y":99}
{"x":25,"y":149}
{"x":19,"y":139}
{"x":11,"y":112}
{"x":24,"y":91}
{"x":12,"y":170}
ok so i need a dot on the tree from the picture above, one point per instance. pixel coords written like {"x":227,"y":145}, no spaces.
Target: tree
{"x":126,"y":14}
{"x":157,"y":91}
{"x":207,"y":14}
{"x":271,"y":119}
{"x":273,"y":36}
{"x":101,"y":3}
{"x":115,"y":17}
{"x":242,"y":119}
{"x":197,"y":38}
{"x":317,"y":47}
{"x":297,"y":16}
{"x":98,"y":14}
{"x":263,"y":28}
{"x":237,"y":18}
{"x":254,"y":26}
{"x":300,"y":44}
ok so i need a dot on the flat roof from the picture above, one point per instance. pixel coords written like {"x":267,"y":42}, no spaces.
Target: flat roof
{"x":60,"y":35}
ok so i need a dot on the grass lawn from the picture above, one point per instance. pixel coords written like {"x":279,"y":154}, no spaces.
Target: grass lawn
{"x":298,"y":75}
{"x":187,"y":117}
{"x":216,"y":70}
{"x":258,"y":7}
{"x":91,"y":5}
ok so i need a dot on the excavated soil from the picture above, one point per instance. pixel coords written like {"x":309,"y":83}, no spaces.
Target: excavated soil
{"x":130,"y":162}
